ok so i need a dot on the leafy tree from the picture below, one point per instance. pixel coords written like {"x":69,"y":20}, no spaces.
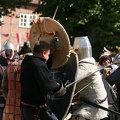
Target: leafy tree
{"x":97,"y":19}
{"x":7,"y":6}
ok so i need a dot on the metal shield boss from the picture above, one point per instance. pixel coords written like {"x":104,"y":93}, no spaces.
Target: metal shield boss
{"x":48,"y":29}
{"x":83,"y":47}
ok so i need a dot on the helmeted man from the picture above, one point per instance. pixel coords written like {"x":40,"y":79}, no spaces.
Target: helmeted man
{"x":5,"y":59}
{"x":11,"y":87}
{"x":95,"y":91}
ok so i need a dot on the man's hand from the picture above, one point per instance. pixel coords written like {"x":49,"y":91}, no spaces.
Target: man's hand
{"x":62,"y":89}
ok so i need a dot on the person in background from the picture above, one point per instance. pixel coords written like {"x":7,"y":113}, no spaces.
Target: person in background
{"x":114,"y":79}
{"x":104,"y":61}
{"x":106,"y":68}
{"x":36,"y":84}
{"x":11,"y":86}
{"x":6,"y":58}
{"x":3,"y":66}
{"x":25,"y":50}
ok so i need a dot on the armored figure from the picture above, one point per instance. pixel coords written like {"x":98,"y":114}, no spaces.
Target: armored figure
{"x":5,"y":59}
{"x":11,"y":90}
{"x":95,"y":91}
{"x":11,"y":87}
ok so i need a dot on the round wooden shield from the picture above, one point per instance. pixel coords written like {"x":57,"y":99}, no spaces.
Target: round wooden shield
{"x":45,"y":29}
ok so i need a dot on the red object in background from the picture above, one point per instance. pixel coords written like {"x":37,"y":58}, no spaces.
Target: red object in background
{"x":18,"y":35}
{"x":27,"y":36}
{"x":5,"y":35}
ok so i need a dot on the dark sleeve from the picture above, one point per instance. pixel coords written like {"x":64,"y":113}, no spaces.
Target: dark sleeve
{"x":114,"y":78}
{"x":43,"y":80}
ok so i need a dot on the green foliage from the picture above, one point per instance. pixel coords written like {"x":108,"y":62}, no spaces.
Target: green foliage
{"x":97,"y":19}
{"x":7,"y":6}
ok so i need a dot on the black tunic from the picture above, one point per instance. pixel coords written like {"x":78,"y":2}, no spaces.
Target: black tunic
{"x":35,"y":81}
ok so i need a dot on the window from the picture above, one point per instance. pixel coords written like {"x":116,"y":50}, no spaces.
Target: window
{"x":25,"y":20}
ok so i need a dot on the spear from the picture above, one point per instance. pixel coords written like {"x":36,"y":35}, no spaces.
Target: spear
{"x":98,"y":106}
{"x":55,"y":12}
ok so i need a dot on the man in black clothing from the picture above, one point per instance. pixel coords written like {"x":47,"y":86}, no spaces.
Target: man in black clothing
{"x":36,"y":84}
{"x":3,"y":66}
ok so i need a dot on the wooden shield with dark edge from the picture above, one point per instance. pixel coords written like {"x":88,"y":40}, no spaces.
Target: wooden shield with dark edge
{"x":45,"y":29}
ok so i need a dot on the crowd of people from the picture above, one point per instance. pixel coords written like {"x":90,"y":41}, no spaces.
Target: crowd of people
{"x":25,"y":82}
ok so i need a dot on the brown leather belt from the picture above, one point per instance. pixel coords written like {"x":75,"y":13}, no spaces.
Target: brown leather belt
{"x":35,"y":106}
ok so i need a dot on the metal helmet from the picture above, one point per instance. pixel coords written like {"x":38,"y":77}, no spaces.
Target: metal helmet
{"x":83,"y":47}
{"x":25,"y":49}
{"x":7,"y":45}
